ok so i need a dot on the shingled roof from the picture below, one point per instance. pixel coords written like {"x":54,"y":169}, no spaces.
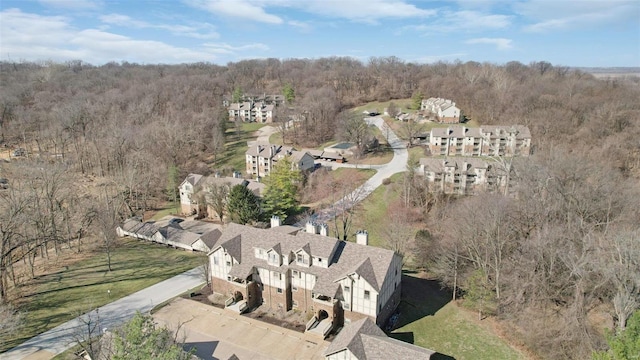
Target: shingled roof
{"x":344,"y":258}
{"x":365,"y":340}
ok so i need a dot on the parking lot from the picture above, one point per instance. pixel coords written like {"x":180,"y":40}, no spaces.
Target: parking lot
{"x":219,"y":334}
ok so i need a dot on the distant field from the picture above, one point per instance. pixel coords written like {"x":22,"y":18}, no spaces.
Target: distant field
{"x":61,"y":295}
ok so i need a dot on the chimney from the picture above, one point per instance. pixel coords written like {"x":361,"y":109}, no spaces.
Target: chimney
{"x":275,"y":221}
{"x":311,"y":228}
{"x":324,"y":229}
{"x":362,"y":237}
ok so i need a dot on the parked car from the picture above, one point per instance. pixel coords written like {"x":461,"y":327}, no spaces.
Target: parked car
{"x":4,"y":183}
{"x":373,"y":113}
{"x":19,"y":152}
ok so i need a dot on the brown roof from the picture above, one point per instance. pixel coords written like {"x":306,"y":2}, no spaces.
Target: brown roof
{"x":344,"y":257}
{"x":365,"y":340}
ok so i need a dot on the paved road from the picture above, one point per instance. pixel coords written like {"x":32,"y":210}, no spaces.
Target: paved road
{"x":396,"y":165}
{"x":59,"y":339}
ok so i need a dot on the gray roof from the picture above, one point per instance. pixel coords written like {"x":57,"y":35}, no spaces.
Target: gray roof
{"x":365,"y":340}
{"x":193,"y":179}
{"x":177,"y":235}
{"x":344,"y":258}
{"x":256,"y":187}
{"x":210,"y":237}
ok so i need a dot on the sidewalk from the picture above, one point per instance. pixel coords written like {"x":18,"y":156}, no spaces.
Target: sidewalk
{"x":60,"y":338}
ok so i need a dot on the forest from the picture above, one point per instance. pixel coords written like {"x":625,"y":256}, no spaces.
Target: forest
{"x":557,"y":263}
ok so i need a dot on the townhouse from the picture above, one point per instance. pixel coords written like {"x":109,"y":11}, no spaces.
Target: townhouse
{"x":287,"y":268}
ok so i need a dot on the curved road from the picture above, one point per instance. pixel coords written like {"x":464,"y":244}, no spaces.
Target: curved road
{"x":397,"y":164}
{"x":61,"y":338}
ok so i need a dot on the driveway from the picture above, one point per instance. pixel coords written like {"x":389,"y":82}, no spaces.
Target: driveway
{"x":397,"y":164}
{"x":61,"y":338}
{"x":218,"y":334}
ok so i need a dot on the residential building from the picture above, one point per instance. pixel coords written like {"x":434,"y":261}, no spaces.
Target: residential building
{"x":286,"y":268}
{"x":464,"y":175}
{"x":196,"y":186}
{"x":276,"y":100}
{"x":364,"y":340}
{"x":250,"y":111}
{"x":260,"y":158}
{"x":192,"y":235}
{"x":445,"y":111}
{"x":487,"y":140}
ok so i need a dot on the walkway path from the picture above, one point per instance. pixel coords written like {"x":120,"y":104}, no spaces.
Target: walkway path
{"x":61,"y":338}
{"x":396,"y":165}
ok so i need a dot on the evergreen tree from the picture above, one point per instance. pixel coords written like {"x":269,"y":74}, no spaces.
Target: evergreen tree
{"x":141,"y":339}
{"x":243,"y":205}
{"x":289,"y":93}
{"x":281,"y":193}
{"x":237,"y":95}
{"x":625,"y":345}
{"x":416,"y":100}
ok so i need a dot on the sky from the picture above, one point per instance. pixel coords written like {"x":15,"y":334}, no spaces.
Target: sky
{"x":581,"y":33}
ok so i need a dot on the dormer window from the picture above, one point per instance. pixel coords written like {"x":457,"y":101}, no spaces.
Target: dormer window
{"x":274,"y":258}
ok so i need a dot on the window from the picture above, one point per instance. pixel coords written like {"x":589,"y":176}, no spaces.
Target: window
{"x":294,"y":288}
{"x":347,"y":289}
{"x":279,"y":290}
{"x":295,"y":304}
{"x":367,"y":294}
{"x":215,"y":260}
{"x":228,"y":263}
{"x":347,"y":306}
{"x":295,"y":273}
{"x":319,"y":260}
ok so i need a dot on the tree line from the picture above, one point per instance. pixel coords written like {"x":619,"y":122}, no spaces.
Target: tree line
{"x":547,"y":260}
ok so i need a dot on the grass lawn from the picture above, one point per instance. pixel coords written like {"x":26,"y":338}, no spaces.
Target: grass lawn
{"x":60,"y":296}
{"x":236,"y":146}
{"x":430,"y":320}
{"x":169,"y":209}
{"x":401,"y":105}
{"x":374,"y":209}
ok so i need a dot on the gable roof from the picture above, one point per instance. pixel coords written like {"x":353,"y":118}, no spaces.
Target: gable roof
{"x":365,"y":340}
{"x":192,"y":179}
{"x":342,"y":257}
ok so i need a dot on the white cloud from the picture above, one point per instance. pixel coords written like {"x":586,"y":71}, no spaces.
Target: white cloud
{"x":500,"y":43}
{"x":182,"y":30}
{"x":303,"y":26}
{"x":224,"y":48}
{"x":363,"y":10}
{"x":466,"y":20}
{"x":237,"y":9}
{"x":36,"y":37}
{"x":555,"y":15}
{"x":73,"y":4}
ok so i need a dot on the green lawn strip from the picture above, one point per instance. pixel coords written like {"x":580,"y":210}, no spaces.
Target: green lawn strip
{"x":450,"y":331}
{"x":401,"y":105}
{"x":236,"y":145}
{"x":61,"y":296}
{"x":373,"y":210}
{"x":170,"y":209}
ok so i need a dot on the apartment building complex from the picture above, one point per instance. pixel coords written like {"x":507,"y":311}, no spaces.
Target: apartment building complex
{"x":261,"y":158}
{"x":464,"y":175}
{"x":487,"y":140}
{"x":287,"y":268}
{"x":445,"y":111}
{"x":197,"y":186}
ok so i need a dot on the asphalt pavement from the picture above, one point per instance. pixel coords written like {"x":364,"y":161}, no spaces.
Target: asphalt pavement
{"x":61,"y":338}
